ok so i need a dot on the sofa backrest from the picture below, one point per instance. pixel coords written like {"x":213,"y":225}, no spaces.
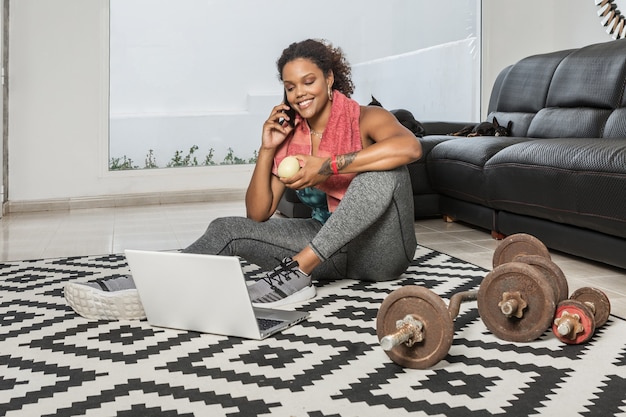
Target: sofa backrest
{"x":570,"y":93}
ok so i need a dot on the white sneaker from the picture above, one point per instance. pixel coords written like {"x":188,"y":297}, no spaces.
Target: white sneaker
{"x":286,"y":284}
{"x":93,"y":302}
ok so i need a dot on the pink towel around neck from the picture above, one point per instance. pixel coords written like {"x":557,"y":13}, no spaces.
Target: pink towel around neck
{"x":342,"y":135}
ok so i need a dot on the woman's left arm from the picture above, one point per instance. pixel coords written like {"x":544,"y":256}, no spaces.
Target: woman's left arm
{"x":386,"y":144}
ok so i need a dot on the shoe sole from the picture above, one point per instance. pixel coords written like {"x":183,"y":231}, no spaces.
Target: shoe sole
{"x":298,"y":297}
{"x":96,"y":304}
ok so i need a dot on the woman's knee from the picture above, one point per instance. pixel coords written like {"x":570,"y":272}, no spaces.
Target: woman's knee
{"x":379,"y":270}
{"x":225,"y":224}
{"x":400,"y":174}
{"x":382,"y":183}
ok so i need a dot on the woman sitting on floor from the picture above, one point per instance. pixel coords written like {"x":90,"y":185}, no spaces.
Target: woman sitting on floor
{"x":352,"y":175}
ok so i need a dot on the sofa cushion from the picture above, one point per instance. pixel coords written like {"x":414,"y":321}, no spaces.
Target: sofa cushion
{"x":525,"y":86}
{"x":567,"y":180}
{"x":579,"y":122}
{"x":616,"y":124}
{"x":583,"y":80}
{"x":495,"y":91}
{"x":521,"y":121}
{"x":455,"y":167}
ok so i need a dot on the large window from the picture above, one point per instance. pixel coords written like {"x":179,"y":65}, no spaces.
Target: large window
{"x":191,"y":81}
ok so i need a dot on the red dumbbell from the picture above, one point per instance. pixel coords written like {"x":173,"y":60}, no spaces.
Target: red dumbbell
{"x":577,"y":318}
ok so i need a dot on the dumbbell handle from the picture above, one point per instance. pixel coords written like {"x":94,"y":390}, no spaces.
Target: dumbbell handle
{"x":410,"y":329}
{"x":460,"y":297}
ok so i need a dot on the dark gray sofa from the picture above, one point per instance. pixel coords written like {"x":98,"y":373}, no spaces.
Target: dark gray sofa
{"x":560,"y":176}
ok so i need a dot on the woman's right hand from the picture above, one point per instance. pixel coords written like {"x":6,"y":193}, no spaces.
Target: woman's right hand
{"x":275,"y":133}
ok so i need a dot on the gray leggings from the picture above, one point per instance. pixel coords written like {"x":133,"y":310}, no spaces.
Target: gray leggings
{"x":370,"y":236}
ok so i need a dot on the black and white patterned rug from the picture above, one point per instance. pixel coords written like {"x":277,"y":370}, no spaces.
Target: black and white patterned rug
{"x":55,"y":363}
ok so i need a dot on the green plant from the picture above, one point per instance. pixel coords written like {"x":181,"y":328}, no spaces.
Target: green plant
{"x":181,"y":160}
{"x":150,"y":160}
{"x":231,"y":159}
{"x":188,"y":160}
{"x":123,"y":163}
{"x":208,"y":160}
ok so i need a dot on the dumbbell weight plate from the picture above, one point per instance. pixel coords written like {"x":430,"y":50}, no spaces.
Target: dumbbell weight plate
{"x":551,"y":272}
{"x":600,"y":301}
{"x":516,"y":245}
{"x":427,"y":307}
{"x":535,"y":290}
{"x":586,"y":318}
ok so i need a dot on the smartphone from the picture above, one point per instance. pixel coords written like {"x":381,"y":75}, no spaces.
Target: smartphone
{"x":291,"y":112}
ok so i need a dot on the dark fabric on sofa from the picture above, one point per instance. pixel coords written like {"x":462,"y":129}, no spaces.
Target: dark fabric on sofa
{"x":577,"y":122}
{"x":526,"y":84}
{"x":291,"y":206}
{"x":616,"y":124}
{"x":521,"y":121}
{"x":572,"y":181}
{"x":577,"y":241}
{"x":589,"y":77}
{"x":455,"y":167}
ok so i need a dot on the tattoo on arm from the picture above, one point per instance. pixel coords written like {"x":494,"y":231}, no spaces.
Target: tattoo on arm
{"x":325,"y":168}
{"x":345,"y":160}
{"x":342,"y":162}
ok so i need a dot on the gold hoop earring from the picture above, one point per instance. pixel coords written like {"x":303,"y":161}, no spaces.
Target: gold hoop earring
{"x":330,"y":93}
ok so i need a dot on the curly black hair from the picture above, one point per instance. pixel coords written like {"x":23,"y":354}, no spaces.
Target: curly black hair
{"x":325,"y":56}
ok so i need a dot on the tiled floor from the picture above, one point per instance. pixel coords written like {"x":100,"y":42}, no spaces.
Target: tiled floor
{"x":163,"y":227}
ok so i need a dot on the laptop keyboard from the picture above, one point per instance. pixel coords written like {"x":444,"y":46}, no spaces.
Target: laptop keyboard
{"x":265,"y":324}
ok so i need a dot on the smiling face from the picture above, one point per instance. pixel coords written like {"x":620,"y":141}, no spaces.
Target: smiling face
{"x":307,"y":88}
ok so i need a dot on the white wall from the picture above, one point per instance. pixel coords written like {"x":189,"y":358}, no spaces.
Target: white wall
{"x":2,"y":139}
{"x":514,"y":29}
{"x":58,"y":107}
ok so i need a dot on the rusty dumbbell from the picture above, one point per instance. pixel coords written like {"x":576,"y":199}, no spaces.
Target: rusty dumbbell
{"x":577,"y":318}
{"x":415,"y":327}
{"x":516,"y":301}
{"x":518,"y":298}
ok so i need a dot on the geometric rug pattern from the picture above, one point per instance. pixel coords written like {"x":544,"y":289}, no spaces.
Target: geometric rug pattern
{"x":55,"y":363}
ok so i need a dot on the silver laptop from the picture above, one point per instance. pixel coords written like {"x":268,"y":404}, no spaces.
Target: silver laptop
{"x":203,"y":293}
